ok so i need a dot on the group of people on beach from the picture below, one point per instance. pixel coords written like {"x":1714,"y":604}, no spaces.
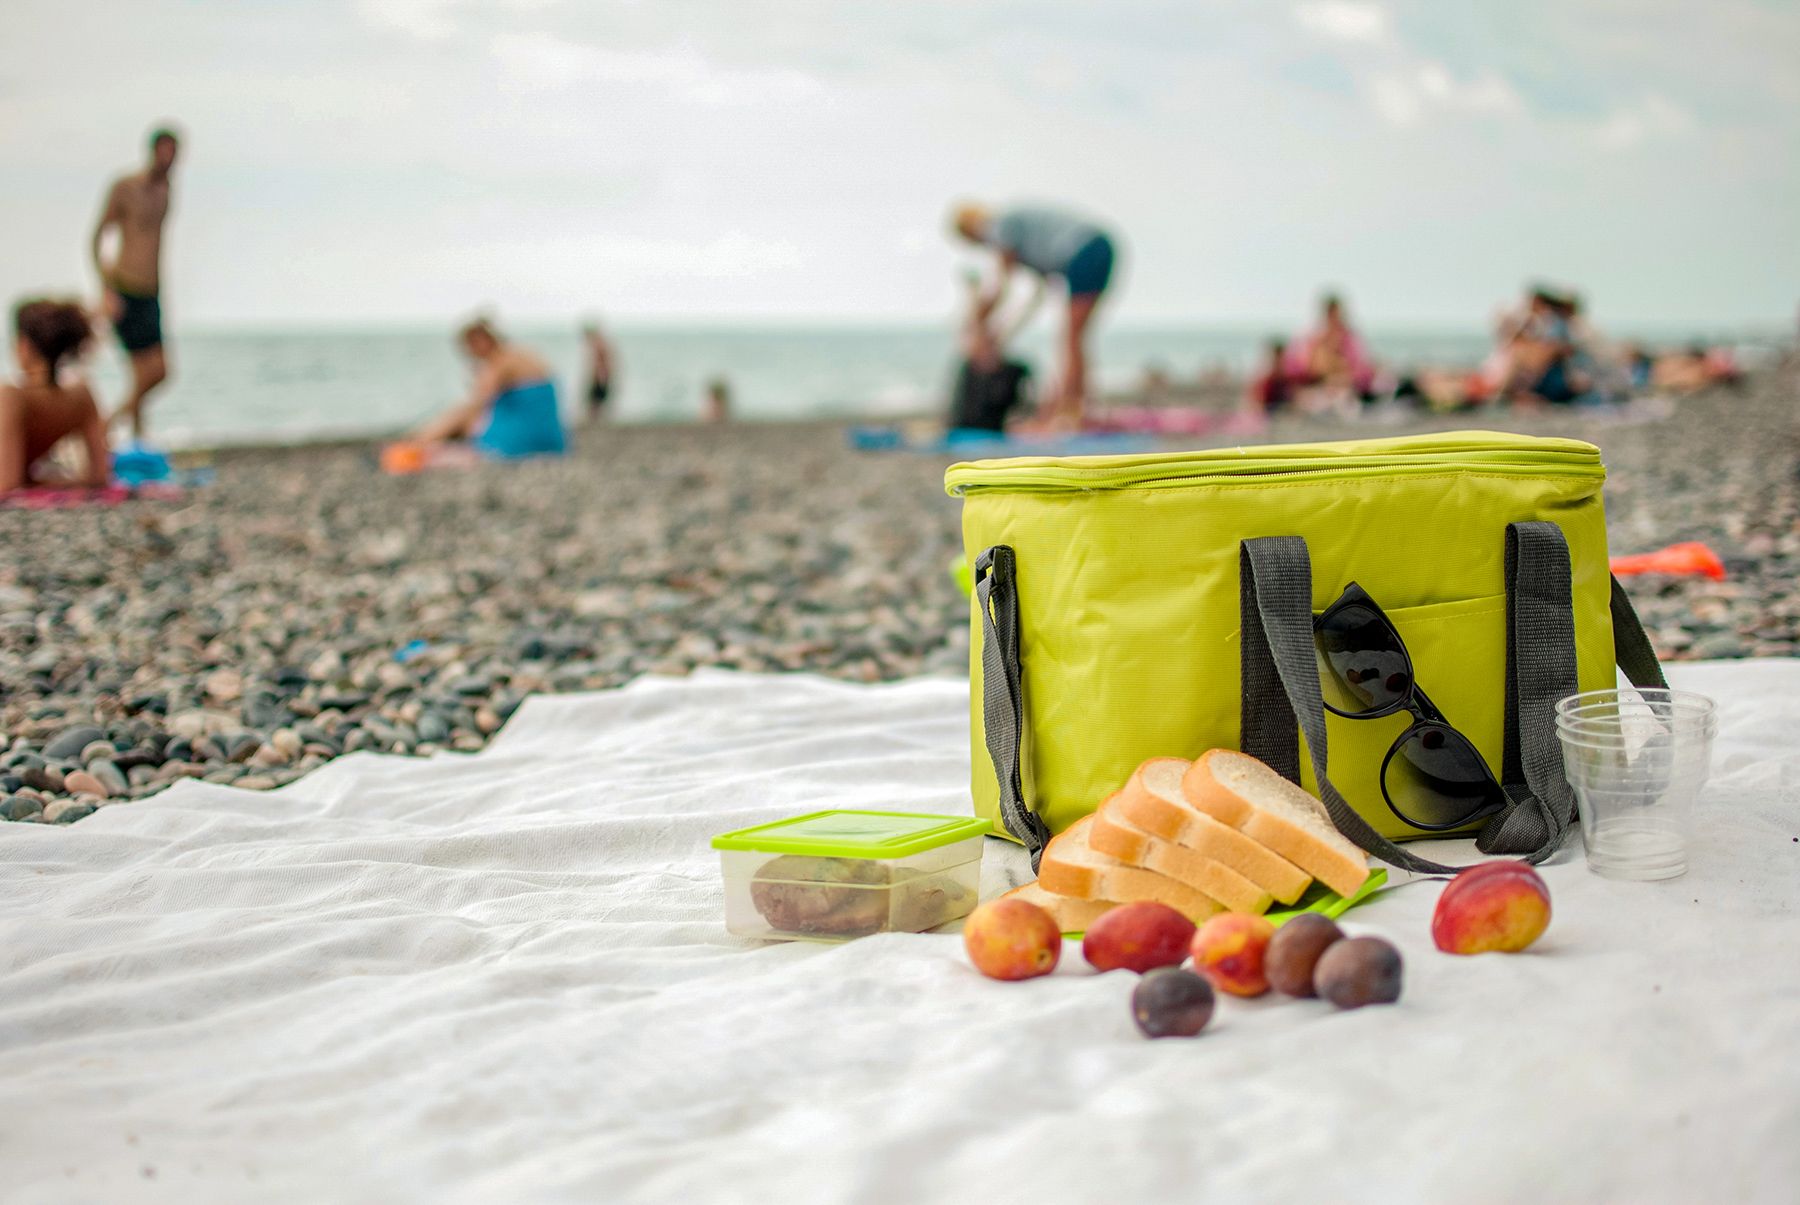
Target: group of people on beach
{"x":1545,"y":353}
{"x":512,"y":408}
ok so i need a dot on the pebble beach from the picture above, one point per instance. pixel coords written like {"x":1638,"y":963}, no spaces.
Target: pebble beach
{"x":304,"y":606}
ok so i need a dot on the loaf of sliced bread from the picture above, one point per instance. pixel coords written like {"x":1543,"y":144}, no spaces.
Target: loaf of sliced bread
{"x":1238,"y":790}
{"x":1071,"y":915}
{"x":1115,"y":835}
{"x":1071,"y":866}
{"x":1154,"y":801}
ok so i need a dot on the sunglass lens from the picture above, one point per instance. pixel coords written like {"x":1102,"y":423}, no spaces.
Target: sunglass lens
{"x":1362,"y":666}
{"x":1437,"y":780}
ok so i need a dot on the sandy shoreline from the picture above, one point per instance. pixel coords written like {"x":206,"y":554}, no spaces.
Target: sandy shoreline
{"x":305,"y":606}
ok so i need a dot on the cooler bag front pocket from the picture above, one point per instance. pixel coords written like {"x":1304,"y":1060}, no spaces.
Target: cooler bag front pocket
{"x":1458,"y":653}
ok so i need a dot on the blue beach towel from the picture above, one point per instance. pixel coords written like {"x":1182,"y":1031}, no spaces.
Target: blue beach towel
{"x":135,"y":464}
{"x":975,"y":444}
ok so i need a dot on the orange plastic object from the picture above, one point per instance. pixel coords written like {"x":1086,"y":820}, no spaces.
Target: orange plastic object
{"x":401,"y":458}
{"x":1692,"y":559}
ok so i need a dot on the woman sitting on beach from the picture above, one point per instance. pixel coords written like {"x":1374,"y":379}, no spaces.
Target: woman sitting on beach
{"x":1329,"y":363}
{"x":40,"y":411}
{"x":512,"y":408}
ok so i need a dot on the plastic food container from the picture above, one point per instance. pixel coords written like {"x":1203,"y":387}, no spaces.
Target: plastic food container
{"x":831,"y":876}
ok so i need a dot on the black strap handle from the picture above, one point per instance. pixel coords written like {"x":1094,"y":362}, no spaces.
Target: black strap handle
{"x":1002,"y":693}
{"x":1631,"y":646}
{"x":1540,"y":669}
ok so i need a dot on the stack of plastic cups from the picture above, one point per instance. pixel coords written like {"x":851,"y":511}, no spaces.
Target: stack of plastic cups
{"x":1636,"y":759}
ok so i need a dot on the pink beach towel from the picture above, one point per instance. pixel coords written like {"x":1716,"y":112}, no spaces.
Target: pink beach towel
{"x":68,"y":497}
{"x":1170,"y":421}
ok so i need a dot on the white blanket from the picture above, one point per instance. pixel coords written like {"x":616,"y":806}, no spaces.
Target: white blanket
{"x":504,"y":977}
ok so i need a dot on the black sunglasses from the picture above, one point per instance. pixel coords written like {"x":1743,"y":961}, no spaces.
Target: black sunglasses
{"x":1433,"y":778}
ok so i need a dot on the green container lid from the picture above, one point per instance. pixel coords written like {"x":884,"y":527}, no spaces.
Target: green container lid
{"x":849,"y":834}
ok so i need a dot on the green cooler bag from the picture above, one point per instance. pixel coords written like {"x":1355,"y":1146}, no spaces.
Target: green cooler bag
{"x":1128,"y":607}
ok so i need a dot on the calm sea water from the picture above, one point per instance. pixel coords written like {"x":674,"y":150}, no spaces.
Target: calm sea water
{"x":239,"y":386}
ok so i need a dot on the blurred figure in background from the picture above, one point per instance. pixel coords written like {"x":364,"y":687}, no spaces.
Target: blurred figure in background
{"x":1272,"y":390}
{"x":600,"y":370}
{"x":41,"y":409}
{"x":1546,"y":360}
{"x":512,"y":406}
{"x":1053,"y":245}
{"x":990,"y":386}
{"x":137,"y":206}
{"x":718,"y":401}
{"x":1329,"y":364}
{"x":1692,"y":369}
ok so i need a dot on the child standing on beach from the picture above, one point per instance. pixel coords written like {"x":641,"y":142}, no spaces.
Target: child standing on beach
{"x":39,"y":410}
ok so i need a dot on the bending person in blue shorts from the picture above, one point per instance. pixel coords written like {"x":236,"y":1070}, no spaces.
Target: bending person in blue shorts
{"x":512,"y":408}
{"x":1055,"y":246}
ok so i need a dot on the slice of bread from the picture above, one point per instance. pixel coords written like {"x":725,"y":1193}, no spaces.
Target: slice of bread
{"x":1071,"y":866}
{"x":1154,"y":802}
{"x":1114,"y":834}
{"x":1071,"y":915}
{"x":1240,"y":791}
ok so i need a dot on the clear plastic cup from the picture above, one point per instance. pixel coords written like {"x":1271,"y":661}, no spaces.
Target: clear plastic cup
{"x":1678,"y":706}
{"x":1636,"y":760}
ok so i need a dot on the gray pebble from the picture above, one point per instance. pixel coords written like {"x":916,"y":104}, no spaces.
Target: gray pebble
{"x":19,"y":807}
{"x":71,"y":741}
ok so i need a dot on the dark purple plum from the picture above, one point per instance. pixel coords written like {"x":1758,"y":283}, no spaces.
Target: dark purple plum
{"x":1358,"y":971}
{"x":1171,"y":1003}
{"x":1295,"y":950}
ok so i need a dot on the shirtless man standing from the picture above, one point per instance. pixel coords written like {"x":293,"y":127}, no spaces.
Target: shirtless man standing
{"x":137,"y":205}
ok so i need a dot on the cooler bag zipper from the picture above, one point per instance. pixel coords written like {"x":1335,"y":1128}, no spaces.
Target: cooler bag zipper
{"x":1319,"y":462}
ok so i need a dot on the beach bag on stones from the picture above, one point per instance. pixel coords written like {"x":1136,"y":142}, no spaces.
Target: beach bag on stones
{"x":1128,"y":607}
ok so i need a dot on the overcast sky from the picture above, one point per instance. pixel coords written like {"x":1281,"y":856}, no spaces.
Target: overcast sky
{"x":407,"y":160}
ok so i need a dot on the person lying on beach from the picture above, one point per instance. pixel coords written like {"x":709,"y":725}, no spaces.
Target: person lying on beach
{"x":1444,"y":389}
{"x":40,"y":409}
{"x":1692,"y":369}
{"x":1054,"y":246}
{"x":512,"y":407}
{"x":990,"y":387}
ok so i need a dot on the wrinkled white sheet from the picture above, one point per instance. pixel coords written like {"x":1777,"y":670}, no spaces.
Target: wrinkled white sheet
{"x":504,"y":977}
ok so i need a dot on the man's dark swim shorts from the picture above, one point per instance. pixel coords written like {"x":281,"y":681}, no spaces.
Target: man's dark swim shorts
{"x":139,"y":325}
